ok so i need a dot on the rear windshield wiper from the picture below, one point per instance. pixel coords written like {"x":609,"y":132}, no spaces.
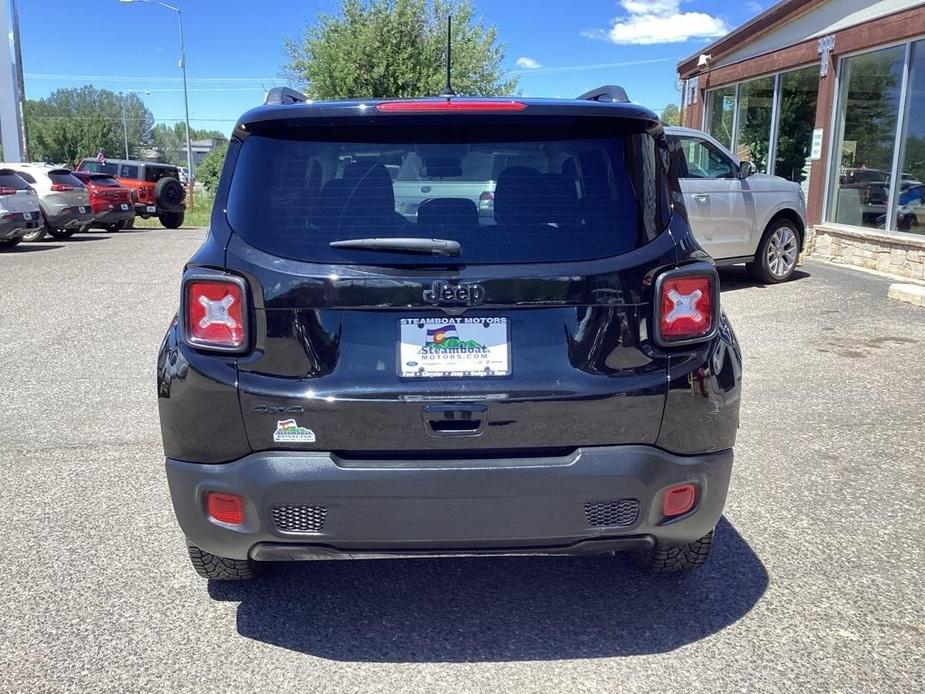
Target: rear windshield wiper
{"x":401,"y":245}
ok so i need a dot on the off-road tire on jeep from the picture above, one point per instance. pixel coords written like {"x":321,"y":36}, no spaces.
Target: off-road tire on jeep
{"x":61,"y":233}
{"x":8,"y":243}
{"x":171,"y":220}
{"x":169,"y":194}
{"x":778,"y":232}
{"x":221,"y":568}
{"x":666,"y":560}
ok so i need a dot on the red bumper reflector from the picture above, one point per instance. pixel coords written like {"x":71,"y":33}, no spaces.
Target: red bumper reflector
{"x":448,"y":106}
{"x":679,"y":499}
{"x":225,"y":508}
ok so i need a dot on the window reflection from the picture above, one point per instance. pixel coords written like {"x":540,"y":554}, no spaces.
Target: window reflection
{"x":867,"y":118}
{"x":722,"y":110}
{"x":799,"y":92}
{"x":910,"y":208}
{"x":753,"y":137}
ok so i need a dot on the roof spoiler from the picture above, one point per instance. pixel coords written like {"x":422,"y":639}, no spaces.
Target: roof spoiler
{"x":284,"y":95}
{"x":606,"y":93}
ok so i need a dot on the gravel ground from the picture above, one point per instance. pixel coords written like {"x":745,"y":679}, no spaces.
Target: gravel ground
{"x":815,"y":583}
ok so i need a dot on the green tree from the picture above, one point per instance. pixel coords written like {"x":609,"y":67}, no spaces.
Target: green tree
{"x":73,"y":123}
{"x":170,"y":141}
{"x":210,"y":168}
{"x":397,"y":48}
{"x":671,"y":115}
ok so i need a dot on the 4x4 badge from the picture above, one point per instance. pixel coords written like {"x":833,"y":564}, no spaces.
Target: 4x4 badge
{"x":446,"y":293}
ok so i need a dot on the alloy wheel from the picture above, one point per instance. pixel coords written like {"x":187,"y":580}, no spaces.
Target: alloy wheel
{"x":782,"y":252}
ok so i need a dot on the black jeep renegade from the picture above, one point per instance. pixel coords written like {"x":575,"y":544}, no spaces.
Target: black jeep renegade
{"x":522,"y":353}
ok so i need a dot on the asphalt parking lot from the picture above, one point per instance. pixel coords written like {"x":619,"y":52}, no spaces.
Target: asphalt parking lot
{"x":815,"y":584}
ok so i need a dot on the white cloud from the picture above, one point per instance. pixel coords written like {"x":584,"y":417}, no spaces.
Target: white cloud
{"x":526,"y":63}
{"x":754,"y":7}
{"x":659,"y":21}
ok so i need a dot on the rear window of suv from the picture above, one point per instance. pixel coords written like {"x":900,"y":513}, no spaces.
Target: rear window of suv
{"x":535,"y":191}
{"x":64,"y":177}
{"x":10,"y":179}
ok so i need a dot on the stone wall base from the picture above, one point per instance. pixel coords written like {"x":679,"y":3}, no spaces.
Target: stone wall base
{"x":900,"y":254}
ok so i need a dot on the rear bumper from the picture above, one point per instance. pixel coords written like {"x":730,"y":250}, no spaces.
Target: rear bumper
{"x":13,"y":224}
{"x":146,"y":210}
{"x":113,"y":216}
{"x":376,"y":508}
{"x":69,"y":217}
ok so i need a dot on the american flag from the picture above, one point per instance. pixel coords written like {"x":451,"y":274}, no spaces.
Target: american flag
{"x":100,"y":156}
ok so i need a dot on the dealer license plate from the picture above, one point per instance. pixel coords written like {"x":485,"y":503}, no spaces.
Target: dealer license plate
{"x":123,"y":206}
{"x":83,"y":209}
{"x":454,"y":347}
{"x":27,"y":215}
{"x":152,"y":208}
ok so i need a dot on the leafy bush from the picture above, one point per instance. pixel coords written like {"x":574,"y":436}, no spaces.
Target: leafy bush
{"x":210,"y":168}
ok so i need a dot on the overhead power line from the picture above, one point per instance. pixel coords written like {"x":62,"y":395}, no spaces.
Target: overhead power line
{"x":127,"y":78}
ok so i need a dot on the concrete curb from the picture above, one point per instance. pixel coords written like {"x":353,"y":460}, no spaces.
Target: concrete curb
{"x":910,"y":293}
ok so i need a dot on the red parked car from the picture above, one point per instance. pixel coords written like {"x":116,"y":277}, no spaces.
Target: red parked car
{"x":110,"y":202}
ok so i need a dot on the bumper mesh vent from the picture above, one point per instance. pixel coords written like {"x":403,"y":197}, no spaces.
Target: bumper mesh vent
{"x":622,"y":512}
{"x":300,"y":519}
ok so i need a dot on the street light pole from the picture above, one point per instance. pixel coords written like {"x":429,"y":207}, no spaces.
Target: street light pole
{"x":189,"y":144}
{"x":124,"y":125}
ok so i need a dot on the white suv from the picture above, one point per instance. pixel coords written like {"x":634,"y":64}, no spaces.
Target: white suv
{"x":737,"y":215}
{"x":19,"y":209}
{"x":63,"y":199}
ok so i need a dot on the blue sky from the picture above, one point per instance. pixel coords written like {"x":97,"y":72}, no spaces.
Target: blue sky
{"x":234,"y":47}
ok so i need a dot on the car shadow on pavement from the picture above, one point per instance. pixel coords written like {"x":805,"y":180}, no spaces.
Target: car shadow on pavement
{"x":30,"y":248}
{"x":494,"y":609}
{"x":736,"y":277}
{"x":81,"y":239}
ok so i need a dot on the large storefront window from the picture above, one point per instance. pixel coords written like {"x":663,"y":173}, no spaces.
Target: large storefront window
{"x":782,"y":150}
{"x":753,"y":129}
{"x":866,"y":127}
{"x":910,"y":203}
{"x":799,"y":92}
{"x":721,"y":114}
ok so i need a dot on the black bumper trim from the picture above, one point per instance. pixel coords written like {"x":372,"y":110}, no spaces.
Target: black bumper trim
{"x":278,"y":551}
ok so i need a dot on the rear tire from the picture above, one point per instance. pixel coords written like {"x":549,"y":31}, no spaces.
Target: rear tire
{"x":666,"y":560}
{"x":34,"y":235}
{"x":217,"y":568}
{"x":777,"y":254}
{"x":8,"y":243}
{"x":171,"y":220}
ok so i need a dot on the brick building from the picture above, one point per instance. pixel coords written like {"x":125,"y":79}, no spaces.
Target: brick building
{"x":829,"y":93}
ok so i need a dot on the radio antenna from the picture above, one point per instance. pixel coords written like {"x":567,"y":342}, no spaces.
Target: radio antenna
{"x":448,"y":89}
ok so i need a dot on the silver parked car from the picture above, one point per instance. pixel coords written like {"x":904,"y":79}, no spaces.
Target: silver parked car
{"x":737,"y":215}
{"x":19,"y":209}
{"x":63,"y":198}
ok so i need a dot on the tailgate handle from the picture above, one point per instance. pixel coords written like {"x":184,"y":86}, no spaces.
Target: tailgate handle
{"x":455,"y":420}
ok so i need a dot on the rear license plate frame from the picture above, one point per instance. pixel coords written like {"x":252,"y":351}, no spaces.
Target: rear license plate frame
{"x":489,"y":357}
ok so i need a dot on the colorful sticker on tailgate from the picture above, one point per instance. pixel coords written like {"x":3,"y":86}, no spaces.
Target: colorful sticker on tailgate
{"x":288,"y":431}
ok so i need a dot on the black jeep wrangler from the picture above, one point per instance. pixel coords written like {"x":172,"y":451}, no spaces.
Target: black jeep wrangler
{"x":347,"y":380}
